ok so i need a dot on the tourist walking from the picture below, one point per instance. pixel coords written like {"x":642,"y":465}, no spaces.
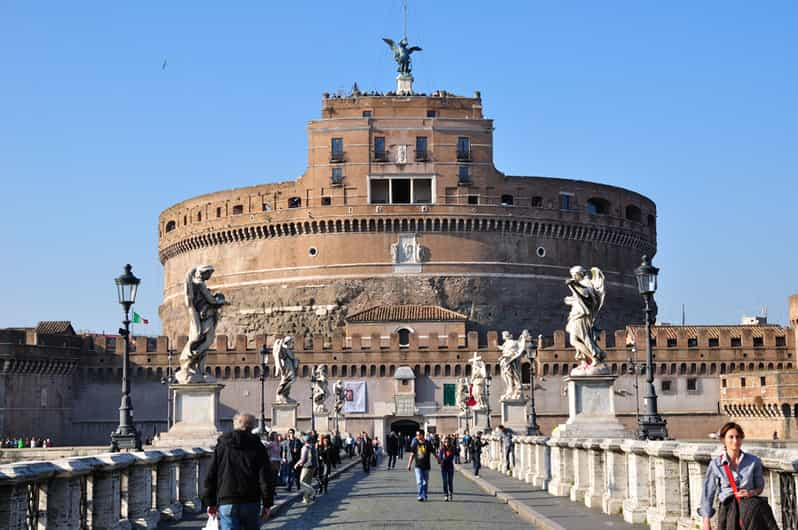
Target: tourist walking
{"x":476,"y":452}
{"x":507,"y":444}
{"x":736,"y":478}
{"x":392,"y":447}
{"x":365,"y":449}
{"x":306,"y":468}
{"x":239,"y":488}
{"x":326,"y":462}
{"x":456,"y":446}
{"x":274,"y":447}
{"x":291,"y":454}
{"x":446,"y":456}
{"x":420,"y":451}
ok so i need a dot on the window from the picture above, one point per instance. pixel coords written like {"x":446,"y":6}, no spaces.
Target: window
{"x":742,"y":381}
{"x":666,"y":385}
{"x":507,"y":200}
{"x":566,"y":200}
{"x":422,"y":191}
{"x":692,"y":384}
{"x":448,"y":395}
{"x":671,"y":343}
{"x":462,"y":175}
{"x":762,"y":380}
{"x":692,"y":342}
{"x":598,"y":206}
{"x":781,"y":342}
{"x":714,"y":343}
{"x":238,"y":209}
{"x":199,"y":216}
{"x":380,"y":191}
{"x":337,"y":150}
{"x":736,"y":342}
{"x":463,"y":148}
{"x":723,"y":381}
{"x":400,"y":191}
{"x":421,"y":148}
{"x":633,"y":213}
{"x":185,"y":220}
{"x":473,"y":199}
{"x":379,"y":149}
{"x":337,"y":176}
{"x":404,"y":337}
{"x":652,"y":221}
{"x":110,"y":344}
{"x":432,"y":114}
{"x":367,"y":114}
{"x":294,"y":202}
{"x":537,"y":202}
{"x":326,"y":201}
{"x":759,"y":342}
{"x":218,"y":212}
{"x":170,"y":226}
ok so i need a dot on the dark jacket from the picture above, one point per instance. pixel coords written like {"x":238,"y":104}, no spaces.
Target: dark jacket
{"x":365,"y":448}
{"x":392,"y":444}
{"x":240,"y":472}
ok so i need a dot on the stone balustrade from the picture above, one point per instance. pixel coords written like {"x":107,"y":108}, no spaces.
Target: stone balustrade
{"x":657,"y":483}
{"x":117,"y":491}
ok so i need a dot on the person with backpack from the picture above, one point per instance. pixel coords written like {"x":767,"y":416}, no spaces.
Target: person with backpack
{"x":476,"y":452}
{"x":306,"y":468}
{"x":420,"y":451}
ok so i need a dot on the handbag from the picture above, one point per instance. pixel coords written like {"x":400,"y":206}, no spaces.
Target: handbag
{"x":212,"y":523}
{"x":734,"y":490}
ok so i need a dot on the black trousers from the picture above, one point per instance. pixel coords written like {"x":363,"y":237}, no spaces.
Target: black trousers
{"x":391,"y":460}
{"x":366,"y":461}
{"x":476,"y":461}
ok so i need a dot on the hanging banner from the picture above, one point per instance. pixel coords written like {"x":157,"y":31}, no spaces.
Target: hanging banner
{"x":354,"y":396}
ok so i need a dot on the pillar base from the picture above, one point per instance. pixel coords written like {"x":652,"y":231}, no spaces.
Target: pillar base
{"x":196,"y":408}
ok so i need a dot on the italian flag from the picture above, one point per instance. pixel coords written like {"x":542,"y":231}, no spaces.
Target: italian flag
{"x":138,"y":320}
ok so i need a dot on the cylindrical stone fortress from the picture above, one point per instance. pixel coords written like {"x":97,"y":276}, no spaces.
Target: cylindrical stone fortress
{"x":401,"y":204}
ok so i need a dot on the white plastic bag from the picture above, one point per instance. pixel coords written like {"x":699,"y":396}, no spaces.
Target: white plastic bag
{"x":212,"y":524}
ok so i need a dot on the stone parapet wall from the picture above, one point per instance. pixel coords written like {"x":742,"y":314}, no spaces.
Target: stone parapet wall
{"x":112,"y":490}
{"x":648,"y":482}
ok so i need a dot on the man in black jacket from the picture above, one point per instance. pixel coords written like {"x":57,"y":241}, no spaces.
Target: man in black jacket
{"x":366,"y":450}
{"x":239,"y":487}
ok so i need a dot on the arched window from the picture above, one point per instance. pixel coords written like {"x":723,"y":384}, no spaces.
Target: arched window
{"x":507,"y":200}
{"x":458,"y":370}
{"x":363,"y":370}
{"x":437,"y":370}
{"x":199,"y":216}
{"x":633,"y":213}
{"x":404,"y":337}
{"x":226,"y":372}
{"x":343,"y":370}
{"x":256,"y":372}
{"x":652,"y":221}
{"x":170,"y":226}
{"x":305,"y":371}
{"x":237,"y":372}
{"x":447,"y":370}
{"x":246,"y":372}
{"x":597,"y":206}
{"x":334,"y":370}
{"x":426,"y":369}
{"x":382,"y":370}
{"x":217,"y":372}
{"x":555,"y":369}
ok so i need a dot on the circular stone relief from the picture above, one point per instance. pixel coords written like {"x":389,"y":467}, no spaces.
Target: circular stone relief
{"x":541,"y":252}
{"x":313,"y":252}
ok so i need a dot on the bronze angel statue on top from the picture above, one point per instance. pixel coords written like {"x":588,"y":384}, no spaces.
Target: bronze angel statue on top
{"x":401,"y":54}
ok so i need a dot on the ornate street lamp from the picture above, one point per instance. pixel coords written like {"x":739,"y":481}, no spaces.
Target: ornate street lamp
{"x":488,"y":380}
{"x":312,"y":412}
{"x":632,"y":370}
{"x":168,"y":380}
{"x":264,"y":360}
{"x":651,"y":425}
{"x":125,"y":436}
{"x":532,"y":428}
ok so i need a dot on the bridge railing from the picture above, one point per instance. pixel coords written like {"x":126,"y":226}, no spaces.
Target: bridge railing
{"x":112,"y":490}
{"x":657,"y":483}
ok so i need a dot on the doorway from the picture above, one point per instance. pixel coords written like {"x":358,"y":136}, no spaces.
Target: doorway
{"x":405,"y":428}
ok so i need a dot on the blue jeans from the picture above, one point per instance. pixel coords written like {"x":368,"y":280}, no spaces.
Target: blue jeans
{"x":447,"y":475}
{"x":508,"y":454}
{"x":239,"y":516}
{"x":422,"y":481}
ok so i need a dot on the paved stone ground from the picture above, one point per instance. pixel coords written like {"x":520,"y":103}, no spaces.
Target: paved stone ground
{"x":386,"y":499}
{"x":553,"y":512}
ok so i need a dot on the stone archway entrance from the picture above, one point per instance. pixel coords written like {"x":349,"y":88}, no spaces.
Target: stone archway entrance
{"x":405,"y":427}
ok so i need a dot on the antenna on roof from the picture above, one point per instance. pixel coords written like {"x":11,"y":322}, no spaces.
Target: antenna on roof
{"x":405,"y":18}
{"x":682,"y":314}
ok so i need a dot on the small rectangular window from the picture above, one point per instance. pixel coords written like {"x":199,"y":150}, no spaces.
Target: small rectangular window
{"x":448,"y":395}
{"x":736,"y":342}
{"x":473,"y":199}
{"x":742,"y":381}
{"x":432,"y":114}
{"x":692,"y":384}
{"x":400,"y":191}
{"x":692,"y":342}
{"x":762,"y":380}
{"x":666,"y":385}
{"x":723,"y":382}
{"x":218,"y":212}
{"x":379,"y":191}
{"x":714,"y":343}
{"x":537,"y":202}
{"x":337,"y":176}
{"x":463,"y":148}
{"x":565,"y":201}
{"x":671,"y":343}
{"x":379,"y":148}
{"x":781,"y":342}
{"x":337,"y":149}
{"x":421,"y":148}
{"x":422,"y":191}
{"x":367,"y":114}
{"x":238,"y":209}
{"x":326,"y":201}
{"x":462,"y":175}
{"x":759,"y":342}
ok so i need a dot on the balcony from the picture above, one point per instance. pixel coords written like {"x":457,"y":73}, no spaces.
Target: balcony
{"x":380,"y":156}
{"x":337,"y":157}
{"x":464,"y":156}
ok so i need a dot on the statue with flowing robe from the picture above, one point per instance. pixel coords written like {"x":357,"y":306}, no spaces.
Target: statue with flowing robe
{"x":586,"y":300}
{"x":285,"y":366}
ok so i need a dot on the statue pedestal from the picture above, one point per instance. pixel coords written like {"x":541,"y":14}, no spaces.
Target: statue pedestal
{"x":591,"y":409}
{"x":284,"y":416}
{"x":404,"y":85}
{"x":480,"y":418}
{"x":465,"y":421}
{"x":196,"y":413}
{"x":514,"y":414}
{"x":323,"y":423}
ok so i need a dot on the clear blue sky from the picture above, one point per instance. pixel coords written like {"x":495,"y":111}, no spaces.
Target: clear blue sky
{"x":690,"y":103}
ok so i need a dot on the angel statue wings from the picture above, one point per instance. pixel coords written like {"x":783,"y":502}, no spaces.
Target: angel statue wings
{"x":203,"y":315}
{"x":401,"y":54}
{"x":586,"y":300}
{"x":320,"y":389}
{"x":510,"y":363}
{"x":285,"y":365}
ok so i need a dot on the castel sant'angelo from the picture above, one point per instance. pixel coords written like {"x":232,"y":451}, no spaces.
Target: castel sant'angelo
{"x":401,"y":204}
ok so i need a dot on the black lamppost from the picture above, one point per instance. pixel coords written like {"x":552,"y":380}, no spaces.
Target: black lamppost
{"x":264,"y":358}
{"x":632,"y":370}
{"x":532,"y":428}
{"x":651,"y":425}
{"x":312,"y":412}
{"x":488,"y":380}
{"x":167,"y":381}
{"x":125,"y":436}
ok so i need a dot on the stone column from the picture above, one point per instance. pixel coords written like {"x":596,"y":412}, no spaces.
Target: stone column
{"x":62,"y":495}
{"x":615,"y":477}
{"x":581,"y":480}
{"x":529,"y":456}
{"x":205,"y":460}
{"x":664,"y":514}
{"x":542,"y":466}
{"x":693,"y":462}
{"x":562,"y":468}
{"x":167,"y":502}
{"x":637,"y":501}
{"x":188,"y":492}
{"x":595,"y":471}
{"x":14,"y":506}
{"x":518,"y":458}
{"x":141,"y":499}
{"x":107,"y":491}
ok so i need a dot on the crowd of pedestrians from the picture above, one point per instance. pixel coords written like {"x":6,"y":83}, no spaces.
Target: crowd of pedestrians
{"x":24,"y":442}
